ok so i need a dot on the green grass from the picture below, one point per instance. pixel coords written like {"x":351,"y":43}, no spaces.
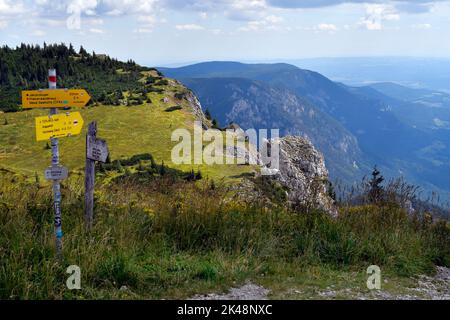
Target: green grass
{"x":128,"y":130}
{"x":166,"y":239}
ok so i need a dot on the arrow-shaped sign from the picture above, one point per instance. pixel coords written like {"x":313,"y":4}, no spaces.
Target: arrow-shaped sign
{"x":55,"y":98}
{"x":59,"y":125}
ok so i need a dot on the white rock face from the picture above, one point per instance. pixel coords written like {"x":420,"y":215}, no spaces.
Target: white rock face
{"x":196,"y":108}
{"x":302,"y":170}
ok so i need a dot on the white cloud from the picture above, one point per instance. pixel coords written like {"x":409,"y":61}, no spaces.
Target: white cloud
{"x":123,"y":7}
{"x":248,"y":4}
{"x":3,"y":24}
{"x":268,"y":23}
{"x":38,"y":33}
{"x":376,"y":14}
{"x":257,"y":14}
{"x":422,"y":26}
{"x":82,"y":6}
{"x":371,"y":25}
{"x":216,"y":31}
{"x":95,"y":21}
{"x":142,"y":30}
{"x":188,"y":27}
{"x":95,"y":30}
{"x":11,"y":8}
{"x":326,"y":27}
{"x":409,"y":6}
{"x":147,"y":21}
{"x":114,"y":13}
{"x":273,"y":19}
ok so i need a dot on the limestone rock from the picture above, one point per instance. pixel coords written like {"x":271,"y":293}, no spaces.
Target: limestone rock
{"x":302,"y":171}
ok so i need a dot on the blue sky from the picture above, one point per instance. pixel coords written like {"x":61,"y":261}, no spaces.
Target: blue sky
{"x":157,"y":32}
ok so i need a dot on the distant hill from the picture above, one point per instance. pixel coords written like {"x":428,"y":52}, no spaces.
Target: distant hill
{"x":224,"y":69}
{"x":415,"y":72}
{"x":426,"y":109}
{"x":400,"y":92}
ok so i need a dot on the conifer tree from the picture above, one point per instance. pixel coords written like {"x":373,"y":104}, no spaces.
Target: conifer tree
{"x":376,"y":189}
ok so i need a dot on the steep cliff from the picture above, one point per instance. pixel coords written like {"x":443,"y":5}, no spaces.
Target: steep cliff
{"x":302,"y":171}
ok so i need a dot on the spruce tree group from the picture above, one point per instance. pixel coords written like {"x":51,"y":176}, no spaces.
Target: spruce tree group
{"x":26,"y":67}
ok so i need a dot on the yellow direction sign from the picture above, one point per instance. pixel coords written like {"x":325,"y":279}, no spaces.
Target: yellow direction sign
{"x":58,"y":125}
{"x":56,"y":98}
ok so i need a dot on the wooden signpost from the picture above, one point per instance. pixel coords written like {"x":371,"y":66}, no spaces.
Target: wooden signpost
{"x":96,"y":150}
{"x":53,"y":127}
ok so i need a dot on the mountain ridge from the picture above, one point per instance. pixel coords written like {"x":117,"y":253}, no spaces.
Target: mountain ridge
{"x":385,"y":138}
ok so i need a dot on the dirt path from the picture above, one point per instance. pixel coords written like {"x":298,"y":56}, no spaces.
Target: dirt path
{"x":427,"y":288}
{"x":249,"y":291}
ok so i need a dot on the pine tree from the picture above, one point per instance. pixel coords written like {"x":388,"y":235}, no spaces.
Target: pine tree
{"x":83,"y":52}
{"x":330,"y":190}
{"x":141,"y":166}
{"x":71,"y":49}
{"x":191,"y":176}
{"x":118,"y":166}
{"x":162,"y":169}
{"x":152,"y":163}
{"x":376,"y":189}
{"x":207,"y":114}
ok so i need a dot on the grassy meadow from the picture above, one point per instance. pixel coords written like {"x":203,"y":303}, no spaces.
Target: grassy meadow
{"x":161,"y":237}
{"x":129,"y":130}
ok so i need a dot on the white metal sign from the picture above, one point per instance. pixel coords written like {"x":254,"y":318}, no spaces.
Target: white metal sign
{"x":97,"y":149}
{"x":56,"y":173}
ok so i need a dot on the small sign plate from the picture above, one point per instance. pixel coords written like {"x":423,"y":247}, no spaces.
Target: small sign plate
{"x":97,"y":149}
{"x":56,"y":173}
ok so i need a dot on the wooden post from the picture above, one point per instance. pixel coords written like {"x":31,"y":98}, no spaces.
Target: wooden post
{"x":89,"y":179}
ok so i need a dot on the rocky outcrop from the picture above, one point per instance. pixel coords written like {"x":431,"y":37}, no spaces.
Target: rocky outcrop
{"x":302,"y":171}
{"x":194,"y":103}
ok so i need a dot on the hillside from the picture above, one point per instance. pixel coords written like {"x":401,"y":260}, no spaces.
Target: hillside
{"x":137,"y":119}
